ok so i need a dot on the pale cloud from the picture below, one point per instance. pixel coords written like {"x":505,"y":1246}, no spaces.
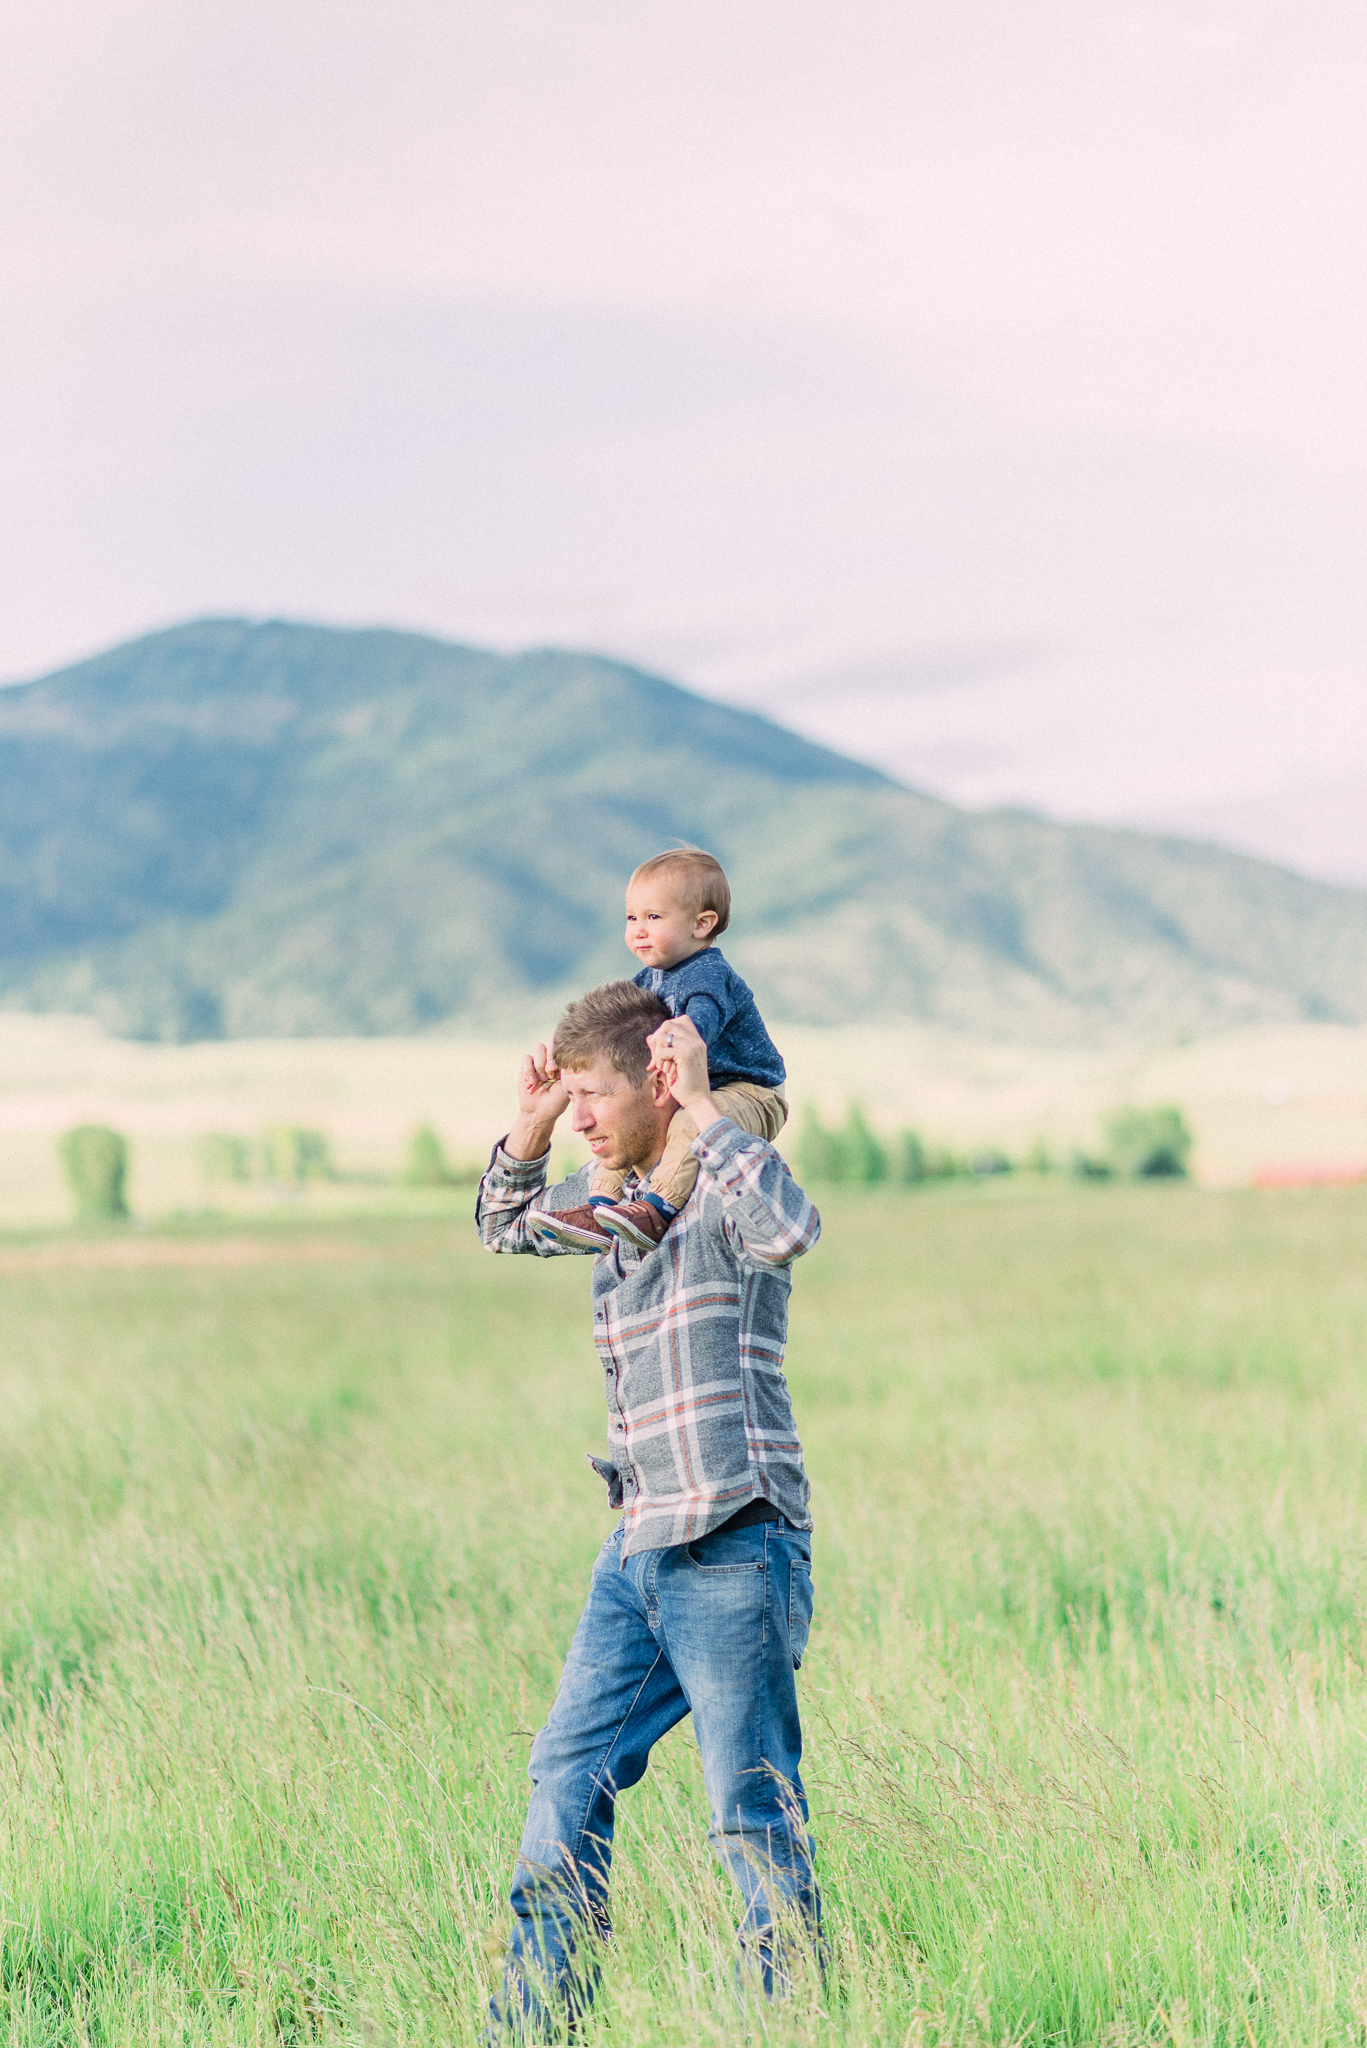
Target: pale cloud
{"x":770,"y":342}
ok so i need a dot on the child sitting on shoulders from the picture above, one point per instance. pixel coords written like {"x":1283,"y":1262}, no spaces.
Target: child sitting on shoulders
{"x":678,"y":905}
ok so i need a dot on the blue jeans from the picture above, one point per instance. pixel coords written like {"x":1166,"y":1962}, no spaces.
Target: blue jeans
{"x":716,"y":1628}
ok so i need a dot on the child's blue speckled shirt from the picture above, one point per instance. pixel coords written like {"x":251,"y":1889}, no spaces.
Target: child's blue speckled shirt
{"x":718,"y":1004}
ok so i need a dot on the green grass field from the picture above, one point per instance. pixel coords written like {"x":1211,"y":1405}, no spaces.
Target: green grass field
{"x":297,"y":1525}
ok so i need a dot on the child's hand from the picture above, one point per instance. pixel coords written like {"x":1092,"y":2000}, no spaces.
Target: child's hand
{"x":678,"y":1052}
{"x":658,"y":1049}
{"x":663,"y":1044}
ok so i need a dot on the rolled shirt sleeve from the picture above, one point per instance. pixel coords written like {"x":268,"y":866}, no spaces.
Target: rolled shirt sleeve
{"x":510,"y":1189}
{"x":770,"y":1221}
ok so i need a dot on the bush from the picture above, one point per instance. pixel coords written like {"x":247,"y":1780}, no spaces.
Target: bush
{"x":1149,"y":1144}
{"x":819,"y":1153}
{"x":427,"y":1165}
{"x":1084,"y":1167}
{"x":225,"y":1158}
{"x":865,"y":1159}
{"x":983,"y":1165}
{"x":852,"y":1153}
{"x":915,"y":1161}
{"x":96,"y":1162}
{"x":288,"y":1153}
{"x":910,"y":1163}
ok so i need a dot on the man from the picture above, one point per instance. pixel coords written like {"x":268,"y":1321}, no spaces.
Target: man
{"x":701,"y":1598}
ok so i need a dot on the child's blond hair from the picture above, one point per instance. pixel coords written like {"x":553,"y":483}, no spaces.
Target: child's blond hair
{"x":700,"y":879}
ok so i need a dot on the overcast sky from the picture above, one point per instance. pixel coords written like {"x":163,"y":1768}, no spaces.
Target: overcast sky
{"x":978,"y":385}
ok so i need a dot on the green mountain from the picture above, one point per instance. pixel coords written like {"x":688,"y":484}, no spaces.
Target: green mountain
{"x":239,"y":829}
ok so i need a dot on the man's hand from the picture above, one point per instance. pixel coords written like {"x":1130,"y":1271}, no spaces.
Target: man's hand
{"x":678,"y":1053}
{"x":541,"y":1101}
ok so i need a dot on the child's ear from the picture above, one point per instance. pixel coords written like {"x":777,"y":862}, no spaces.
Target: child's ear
{"x":704,"y":924}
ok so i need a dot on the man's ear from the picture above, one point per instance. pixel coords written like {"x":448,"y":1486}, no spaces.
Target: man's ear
{"x":659,"y":1091}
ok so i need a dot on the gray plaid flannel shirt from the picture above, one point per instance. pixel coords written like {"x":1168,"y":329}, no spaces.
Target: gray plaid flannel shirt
{"x":691,"y":1336}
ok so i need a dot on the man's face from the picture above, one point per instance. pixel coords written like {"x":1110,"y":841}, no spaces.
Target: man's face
{"x":622,"y":1125}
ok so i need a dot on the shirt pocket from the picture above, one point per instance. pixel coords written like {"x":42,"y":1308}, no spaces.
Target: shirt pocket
{"x":800,"y":1599}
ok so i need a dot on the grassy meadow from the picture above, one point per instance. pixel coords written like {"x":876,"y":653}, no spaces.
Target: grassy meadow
{"x":297,"y":1525}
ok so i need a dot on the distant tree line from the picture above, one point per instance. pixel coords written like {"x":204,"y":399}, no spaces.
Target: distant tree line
{"x":1141,"y":1144}
{"x":290,"y":1154}
{"x":95,"y":1161}
{"x":286,"y":1153}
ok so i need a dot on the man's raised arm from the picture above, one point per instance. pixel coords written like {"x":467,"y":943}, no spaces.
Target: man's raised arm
{"x":769,"y":1220}
{"x":516,"y":1174}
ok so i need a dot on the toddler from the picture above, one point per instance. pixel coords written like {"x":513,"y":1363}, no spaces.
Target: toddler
{"x":678,"y":905}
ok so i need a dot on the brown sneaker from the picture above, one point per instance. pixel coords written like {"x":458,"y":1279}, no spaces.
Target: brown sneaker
{"x":639,"y":1223}
{"x":579,"y":1228}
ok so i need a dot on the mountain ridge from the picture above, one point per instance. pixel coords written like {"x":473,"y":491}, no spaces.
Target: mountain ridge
{"x":272,"y":828}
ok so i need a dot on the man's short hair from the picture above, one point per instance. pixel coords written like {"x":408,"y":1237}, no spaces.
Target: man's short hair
{"x":612,"y":1021}
{"x":699,"y":878}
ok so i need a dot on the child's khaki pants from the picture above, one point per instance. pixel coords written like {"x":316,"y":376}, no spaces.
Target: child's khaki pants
{"x":762,"y":1112}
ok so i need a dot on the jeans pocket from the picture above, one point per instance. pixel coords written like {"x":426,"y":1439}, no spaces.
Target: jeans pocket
{"x":727,"y":1550}
{"x":701,"y":1562}
{"x":800,"y":1598}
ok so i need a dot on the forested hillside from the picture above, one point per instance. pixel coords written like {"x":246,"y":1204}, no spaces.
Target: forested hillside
{"x":235,"y":828}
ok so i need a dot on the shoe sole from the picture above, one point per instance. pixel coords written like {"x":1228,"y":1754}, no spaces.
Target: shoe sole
{"x":631,"y":1234}
{"x":570,"y":1233}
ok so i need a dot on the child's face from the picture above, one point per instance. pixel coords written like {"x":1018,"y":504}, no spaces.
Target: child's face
{"x":660,"y":931}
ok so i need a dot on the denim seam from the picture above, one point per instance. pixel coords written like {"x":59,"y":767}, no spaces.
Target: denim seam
{"x":796,"y":1566}
{"x":596,"y":1782}
{"x":769,"y":1528}
{"x":762,"y":1692}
